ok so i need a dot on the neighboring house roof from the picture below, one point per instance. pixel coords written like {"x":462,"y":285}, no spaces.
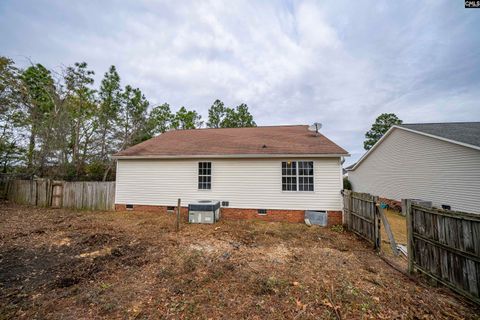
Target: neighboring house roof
{"x":234,"y":142}
{"x":463,"y":133}
{"x":350,"y":166}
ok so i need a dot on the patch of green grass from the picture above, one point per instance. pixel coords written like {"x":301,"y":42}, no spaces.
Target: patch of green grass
{"x":104,"y":286}
{"x":270,"y":285}
{"x":337,"y":228}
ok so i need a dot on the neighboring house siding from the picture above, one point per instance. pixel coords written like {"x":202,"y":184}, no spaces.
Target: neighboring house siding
{"x":410,"y":165}
{"x":245,"y":183}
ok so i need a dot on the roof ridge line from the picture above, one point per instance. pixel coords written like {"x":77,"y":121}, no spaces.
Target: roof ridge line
{"x":268,"y":126}
{"x":454,"y":122}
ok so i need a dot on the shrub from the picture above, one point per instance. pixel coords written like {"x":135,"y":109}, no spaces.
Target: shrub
{"x":346,"y":184}
{"x":95,"y":170}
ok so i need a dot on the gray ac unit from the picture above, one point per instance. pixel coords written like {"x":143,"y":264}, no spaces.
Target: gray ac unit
{"x":204,"y":211}
{"x":316,"y":217}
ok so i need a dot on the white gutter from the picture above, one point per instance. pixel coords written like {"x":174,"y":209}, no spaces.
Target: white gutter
{"x":232,"y":156}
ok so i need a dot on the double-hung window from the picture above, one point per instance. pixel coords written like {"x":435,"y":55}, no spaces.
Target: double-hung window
{"x":297,"y":176}
{"x":204,"y":175}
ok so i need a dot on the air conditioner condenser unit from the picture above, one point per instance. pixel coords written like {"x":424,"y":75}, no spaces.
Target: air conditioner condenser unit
{"x":204,"y":211}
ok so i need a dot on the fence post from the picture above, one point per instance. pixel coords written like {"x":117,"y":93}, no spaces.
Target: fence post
{"x":376,"y":217}
{"x":36,"y":192}
{"x":410,"y":253}
{"x":49,"y":193}
{"x":7,"y":189}
{"x":350,"y":209}
{"x":177,"y":223}
{"x":346,"y":207}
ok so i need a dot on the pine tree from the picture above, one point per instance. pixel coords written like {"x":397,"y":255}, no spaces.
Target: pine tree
{"x":383,"y":122}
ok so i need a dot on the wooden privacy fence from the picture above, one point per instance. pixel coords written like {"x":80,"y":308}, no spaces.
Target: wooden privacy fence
{"x":62,"y":194}
{"x":445,"y":245}
{"x":32,"y":192}
{"x":5,"y":178}
{"x":362,"y":216}
{"x":3,"y":187}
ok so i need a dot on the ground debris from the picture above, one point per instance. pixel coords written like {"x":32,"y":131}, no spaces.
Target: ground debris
{"x":132,"y":265}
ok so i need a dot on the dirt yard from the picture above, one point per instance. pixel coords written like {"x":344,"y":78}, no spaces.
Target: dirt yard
{"x":60,"y":264}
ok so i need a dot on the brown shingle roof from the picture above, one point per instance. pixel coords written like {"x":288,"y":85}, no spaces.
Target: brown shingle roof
{"x":274,"y":140}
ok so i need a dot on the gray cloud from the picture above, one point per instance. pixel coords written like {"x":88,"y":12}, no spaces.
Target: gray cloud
{"x":341,"y":63}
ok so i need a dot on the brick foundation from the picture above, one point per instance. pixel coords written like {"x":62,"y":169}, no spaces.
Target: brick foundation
{"x":272,"y":215}
{"x":334,"y":217}
{"x":152,"y":208}
{"x":294,"y":216}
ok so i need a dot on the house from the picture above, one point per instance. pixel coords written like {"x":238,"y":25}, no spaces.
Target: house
{"x":271,"y":173}
{"x":438,"y":162}
{"x":345,"y":170}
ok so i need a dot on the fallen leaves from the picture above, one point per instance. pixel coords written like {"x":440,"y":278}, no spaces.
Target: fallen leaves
{"x":65,"y":263}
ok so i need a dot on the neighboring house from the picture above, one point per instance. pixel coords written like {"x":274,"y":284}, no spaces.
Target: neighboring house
{"x":345,"y":170}
{"x":270,"y":173}
{"x":438,"y":162}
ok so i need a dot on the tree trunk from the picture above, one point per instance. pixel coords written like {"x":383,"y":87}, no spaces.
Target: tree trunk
{"x":31,"y":148}
{"x":103,"y":148}
{"x":106,"y":172}
{"x":76,"y":147}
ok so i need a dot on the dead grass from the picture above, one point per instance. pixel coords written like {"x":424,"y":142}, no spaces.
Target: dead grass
{"x":398,"y":225}
{"x":61,"y":264}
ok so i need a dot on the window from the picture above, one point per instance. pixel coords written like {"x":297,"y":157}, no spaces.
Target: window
{"x":289,"y":176}
{"x":305,"y":175}
{"x":262,"y":211}
{"x":297,"y":176}
{"x":204,"y":175}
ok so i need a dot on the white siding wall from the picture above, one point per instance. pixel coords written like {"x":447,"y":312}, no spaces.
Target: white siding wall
{"x":245,"y":183}
{"x":410,"y":165}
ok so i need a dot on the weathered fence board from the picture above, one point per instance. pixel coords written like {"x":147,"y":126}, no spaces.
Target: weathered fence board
{"x":73,"y":195}
{"x":63,"y":194}
{"x":98,"y":195}
{"x":361,"y":215}
{"x":3,"y":188}
{"x":57,"y":194}
{"x":44,"y":192}
{"x":445,"y":245}
{"x":388,"y":230}
{"x":22,"y":191}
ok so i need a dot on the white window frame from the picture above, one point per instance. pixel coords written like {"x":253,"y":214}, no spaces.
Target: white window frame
{"x":204,"y":175}
{"x":297,"y":176}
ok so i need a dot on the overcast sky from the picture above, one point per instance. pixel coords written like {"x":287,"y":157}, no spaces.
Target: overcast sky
{"x":341,"y":63}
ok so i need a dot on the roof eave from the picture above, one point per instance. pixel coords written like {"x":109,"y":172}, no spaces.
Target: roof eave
{"x":232,"y":156}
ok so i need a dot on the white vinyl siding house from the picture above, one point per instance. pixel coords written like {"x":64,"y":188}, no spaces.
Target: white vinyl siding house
{"x":272,"y":173}
{"x":408,"y":164}
{"x":245,"y":183}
